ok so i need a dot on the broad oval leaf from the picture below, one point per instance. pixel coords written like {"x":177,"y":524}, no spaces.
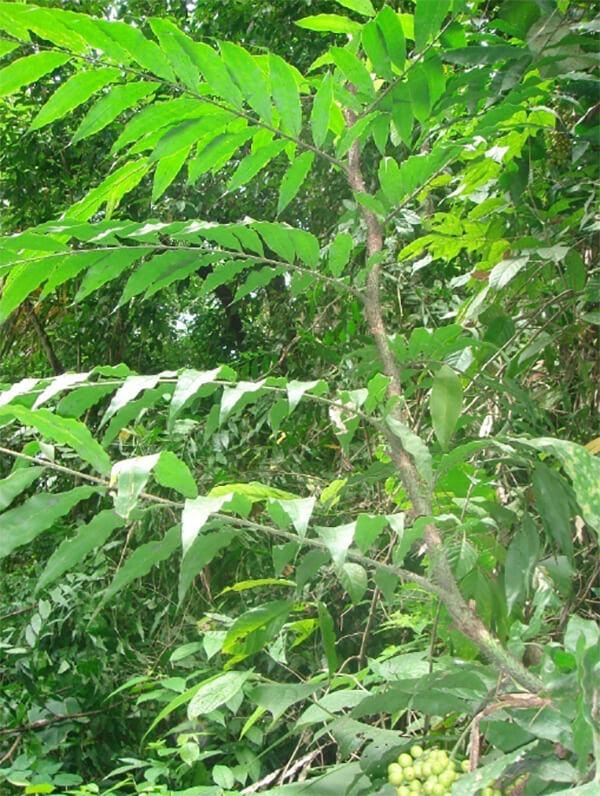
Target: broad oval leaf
{"x":445,"y":404}
{"x":215,"y":692}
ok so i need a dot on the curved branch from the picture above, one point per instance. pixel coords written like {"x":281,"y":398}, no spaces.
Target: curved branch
{"x":463,"y":615}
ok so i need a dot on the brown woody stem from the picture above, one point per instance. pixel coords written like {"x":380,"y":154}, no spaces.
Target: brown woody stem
{"x":463,"y":615}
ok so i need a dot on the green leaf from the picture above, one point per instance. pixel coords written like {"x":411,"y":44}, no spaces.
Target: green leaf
{"x":195,"y":515}
{"x":106,"y":110}
{"x":285,"y":94}
{"x":278,"y":238}
{"x":582,"y":468}
{"x":471,"y":784}
{"x":337,"y":540}
{"x":199,"y":555}
{"x":75,"y":403}
{"x":22,"y":524}
{"x":27,"y":70}
{"x":329,"y":23}
{"x":131,"y":387}
{"x":141,"y":561}
{"x":232,"y":396}
{"x":552,"y":499}
{"x":296,"y":389}
{"x":256,"y":583}
{"x":160,"y":115}
{"x":7,"y":47}
{"x":368,"y":528}
{"x":249,"y":77}
{"x":187,"y":133}
{"x":429,"y":15}
{"x":17,"y":482}
{"x":179,"y":50}
{"x":130,"y":476}
{"x":189,"y":382}
{"x":108,"y":268}
{"x":147,"y":53}
{"x":401,"y":110}
{"x":60,"y":383}
{"x":293,"y":179}
{"x":216,"y":153}
{"x":390,"y":27}
{"x":363,"y":7}
{"x":339,"y":253}
{"x":481,"y":55}
{"x":373,"y":43}
{"x":110,"y":191}
{"x":253,"y":490}
{"x":298,"y":511}
{"x":319,"y":118}
{"x":12,"y":26}
{"x":22,"y":280}
{"x":415,"y":446}
{"x":505,"y":270}
{"x":445,"y":404}
{"x":64,"y":431}
{"x":131,"y":411}
{"x":255,"y":628}
{"x":258,"y":278}
{"x":400,"y":182}
{"x":252,"y":164}
{"x":168,"y":168}
{"x":353,"y":70}
{"x":77,"y":90}
{"x":216,"y":74}
{"x":521,"y":560}
{"x":307,"y":247}
{"x":352,"y":133}
{"x":354,"y":579}
{"x":162,"y":270}
{"x":47,"y":24}
{"x":278,"y":412}
{"x":328,"y":636}
{"x":418,"y":86}
{"x":71,"y":551}
{"x":210,"y":694}
{"x":278,"y":697}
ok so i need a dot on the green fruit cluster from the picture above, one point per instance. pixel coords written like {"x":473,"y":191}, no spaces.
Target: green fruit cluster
{"x":558,"y":148}
{"x":431,"y":773}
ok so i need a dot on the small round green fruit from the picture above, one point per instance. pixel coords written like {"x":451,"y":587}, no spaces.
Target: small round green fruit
{"x":395,"y":774}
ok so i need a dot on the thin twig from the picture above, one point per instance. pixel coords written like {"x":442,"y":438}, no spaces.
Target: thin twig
{"x":41,"y":723}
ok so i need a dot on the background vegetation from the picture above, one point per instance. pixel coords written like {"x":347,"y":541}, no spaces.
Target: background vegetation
{"x":299,"y":391}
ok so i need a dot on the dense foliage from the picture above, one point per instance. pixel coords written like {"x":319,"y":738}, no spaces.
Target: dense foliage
{"x":299,"y":486}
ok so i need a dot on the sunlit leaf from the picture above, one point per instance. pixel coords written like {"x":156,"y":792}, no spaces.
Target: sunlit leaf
{"x":118,"y":99}
{"x":79,"y":88}
{"x":29,"y":69}
{"x":329,"y":23}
